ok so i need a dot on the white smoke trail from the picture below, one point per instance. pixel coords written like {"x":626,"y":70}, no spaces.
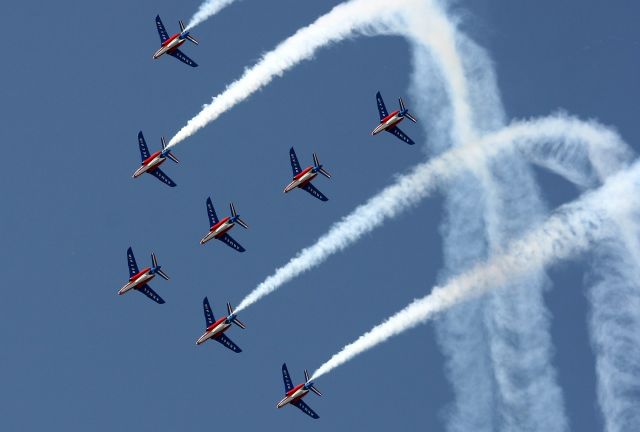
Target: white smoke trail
{"x":569,"y":231}
{"x":206,"y":10}
{"x":422,"y":180}
{"x":614,"y":294}
{"x":343,"y":21}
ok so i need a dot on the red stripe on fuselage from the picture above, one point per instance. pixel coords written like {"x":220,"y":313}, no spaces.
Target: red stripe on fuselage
{"x":219,"y":224}
{"x":295,"y":389}
{"x":215,"y":324}
{"x":389,"y":117}
{"x":303,"y":172}
{"x":152,"y":157}
{"x":168,"y":41}
{"x":140,"y":273}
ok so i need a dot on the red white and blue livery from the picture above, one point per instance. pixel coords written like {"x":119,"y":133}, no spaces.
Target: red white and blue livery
{"x":216,"y":328}
{"x":151,"y":162}
{"x":218,"y":228}
{"x":138,"y":278}
{"x":302,"y":177}
{"x":169,"y":45}
{"x":293,"y":395}
{"x":389,"y":122}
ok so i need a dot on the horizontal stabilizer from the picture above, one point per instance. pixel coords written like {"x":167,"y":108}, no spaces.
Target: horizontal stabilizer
{"x":162,"y":274}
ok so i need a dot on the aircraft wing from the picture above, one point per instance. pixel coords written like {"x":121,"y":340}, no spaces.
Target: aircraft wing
{"x":305,"y":408}
{"x":228,"y":343}
{"x":231,"y":242}
{"x":315,"y":192}
{"x":288,"y":385}
{"x":208,"y":314}
{"x":161,"y":30}
{"x":144,"y":150}
{"x":146,"y":290}
{"x":160,"y":175}
{"x":382,"y":110}
{"x":213,"y":218}
{"x":182,"y":57}
{"x":295,"y":165}
{"x":397,"y":132}
{"x":131,"y":261}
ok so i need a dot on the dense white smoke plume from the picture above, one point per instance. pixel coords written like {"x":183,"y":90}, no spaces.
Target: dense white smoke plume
{"x":572,"y":229}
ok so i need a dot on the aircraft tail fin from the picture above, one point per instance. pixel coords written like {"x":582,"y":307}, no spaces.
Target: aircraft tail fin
{"x":168,"y":154}
{"x":235,"y":319}
{"x":156,"y":267}
{"x":188,"y":36}
{"x":311,"y":387}
{"x":406,"y":111}
{"x":234,"y":215}
{"x":410,"y":117}
{"x":321,"y":170}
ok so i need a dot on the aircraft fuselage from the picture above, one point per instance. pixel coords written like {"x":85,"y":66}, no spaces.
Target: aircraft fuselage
{"x":150,"y":163}
{"x":388,"y":122}
{"x":169,"y":45}
{"x":141,"y":278}
{"x":218,"y":229}
{"x":298,"y":392}
{"x":214,"y":330}
{"x":301,"y":179}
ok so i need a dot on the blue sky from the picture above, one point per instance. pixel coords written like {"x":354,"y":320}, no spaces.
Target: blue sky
{"x":79,"y":85}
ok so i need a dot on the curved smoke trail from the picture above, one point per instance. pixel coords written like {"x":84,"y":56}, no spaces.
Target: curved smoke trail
{"x":572,"y":229}
{"x":343,"y":21}
{"x":528,"y":138}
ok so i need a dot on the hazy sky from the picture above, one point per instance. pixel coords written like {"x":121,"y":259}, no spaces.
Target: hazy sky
{"x":79,"y":83}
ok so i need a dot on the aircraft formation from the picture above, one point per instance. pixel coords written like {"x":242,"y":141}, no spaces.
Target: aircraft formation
{"x":219,"y":228}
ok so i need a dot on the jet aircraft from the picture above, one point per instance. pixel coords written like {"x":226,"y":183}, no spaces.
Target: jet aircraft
{"x":389,"y":122}
{"x":302,"y":177}
{"x":138,"y":278}
{"x":151,"y":162}
{"x":293,"y":395}
{"x":169,"y":45}
{"x":215,"y":329}
{"x":218,"y":228}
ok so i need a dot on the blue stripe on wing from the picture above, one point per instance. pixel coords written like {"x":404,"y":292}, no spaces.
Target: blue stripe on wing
{"x":161,"y":30}
{"x":382,"y":110}
{"x":305,"y":408}
{"x":211,"y":212}
{"x":228,"y":343}
{"x":146,"y":290}
{"x":182,"y":57}
{"x":397,"y":132}
{"x":208,"y":314}
{"x":295,"y":165}
{"x":131,"y":261}
{"x":288,"y":384}
{"x":144,"y":150}
{"x":160,"y":175}
{"x":227,"y":239}
{"x":315,"y":192}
